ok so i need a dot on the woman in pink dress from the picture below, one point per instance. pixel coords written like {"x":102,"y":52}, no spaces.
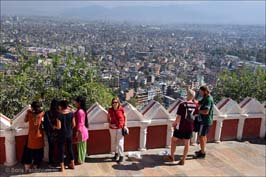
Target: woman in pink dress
{"x":81,"y":128}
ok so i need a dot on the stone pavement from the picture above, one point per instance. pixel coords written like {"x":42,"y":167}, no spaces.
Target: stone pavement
{"x":229,"y":158}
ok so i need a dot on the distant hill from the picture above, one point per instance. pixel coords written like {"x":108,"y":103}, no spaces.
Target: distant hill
{"x":209,"y":14}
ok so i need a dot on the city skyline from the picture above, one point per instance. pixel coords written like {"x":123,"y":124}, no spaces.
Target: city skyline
{"x":139,"y":60}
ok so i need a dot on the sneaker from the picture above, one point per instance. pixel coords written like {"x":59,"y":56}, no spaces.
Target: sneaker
{"x":115,"y":157}
{"x":121,"y":159}
{"x":198,"y":152}
{"x":200,"y":155}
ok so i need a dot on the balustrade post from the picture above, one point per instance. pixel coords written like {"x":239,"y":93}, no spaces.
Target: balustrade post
{"x":143,"y":136}
{"x":240,"y":128}
{"x":170,"y":131}
{"x":10,"y":147}
{"x":218,"y":131}
{"x":263,"y":127}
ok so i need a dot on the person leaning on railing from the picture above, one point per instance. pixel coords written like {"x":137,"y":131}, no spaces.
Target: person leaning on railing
{"x":52,"y":124}
{"x":183,"y":126}
{"x":117,"y":122}
{"x":81,"y":134}
{"x":205,"y":119}
{"x":66,"y":117}
{"x":33,"y":149}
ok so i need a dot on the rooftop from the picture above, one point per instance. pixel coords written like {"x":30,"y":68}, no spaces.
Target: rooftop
{"x":229,"y":158}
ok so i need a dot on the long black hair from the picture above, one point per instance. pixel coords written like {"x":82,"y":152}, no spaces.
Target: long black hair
{"x":54,"y":108}
{"x":63,"y":104}
{"x":82,"y":102}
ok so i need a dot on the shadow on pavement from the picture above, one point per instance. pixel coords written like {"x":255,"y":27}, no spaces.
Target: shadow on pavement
{"x":261,"y":141}
{"x":98,"y":160}
{"x":147,"y":161}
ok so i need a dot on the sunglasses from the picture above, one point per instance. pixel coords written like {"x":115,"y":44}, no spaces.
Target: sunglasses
{"x":115,"y":102}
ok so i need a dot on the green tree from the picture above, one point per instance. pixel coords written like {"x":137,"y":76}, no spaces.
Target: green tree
{"x":261,"y":55}
{"x":240,"y":84}
{"x":65,"y":78}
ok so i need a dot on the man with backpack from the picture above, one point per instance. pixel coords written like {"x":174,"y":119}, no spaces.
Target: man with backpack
{"x":185,"y":119}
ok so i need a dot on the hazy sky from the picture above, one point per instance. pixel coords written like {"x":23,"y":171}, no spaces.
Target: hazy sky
{"x":253,"y":9}
{"x":59,"y":5}
{"x":70,"y":3}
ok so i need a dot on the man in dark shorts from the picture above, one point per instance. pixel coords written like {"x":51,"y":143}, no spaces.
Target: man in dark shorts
{"x":205,"y":119}
{"x":185,"y":118}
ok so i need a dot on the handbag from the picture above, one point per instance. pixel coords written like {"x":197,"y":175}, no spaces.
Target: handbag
{"x":125,"y":131}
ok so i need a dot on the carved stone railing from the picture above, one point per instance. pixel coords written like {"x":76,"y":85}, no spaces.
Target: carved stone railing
{"x":149,"y":128}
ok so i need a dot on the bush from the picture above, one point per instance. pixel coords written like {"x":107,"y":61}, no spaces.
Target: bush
{"x":241,"y":84}
{"x":65,"y":78}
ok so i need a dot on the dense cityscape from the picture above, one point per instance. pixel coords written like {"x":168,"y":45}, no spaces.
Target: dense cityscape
{"x":140,"y":61}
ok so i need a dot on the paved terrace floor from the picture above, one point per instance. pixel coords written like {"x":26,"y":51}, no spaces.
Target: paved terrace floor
{"x":229,"y":158}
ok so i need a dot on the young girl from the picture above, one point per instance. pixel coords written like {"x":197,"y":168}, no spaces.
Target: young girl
{"x":35,"y":142}
{"x":51,"y":125}
{"x":65,"y":135}
{"x":81,"y":135}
